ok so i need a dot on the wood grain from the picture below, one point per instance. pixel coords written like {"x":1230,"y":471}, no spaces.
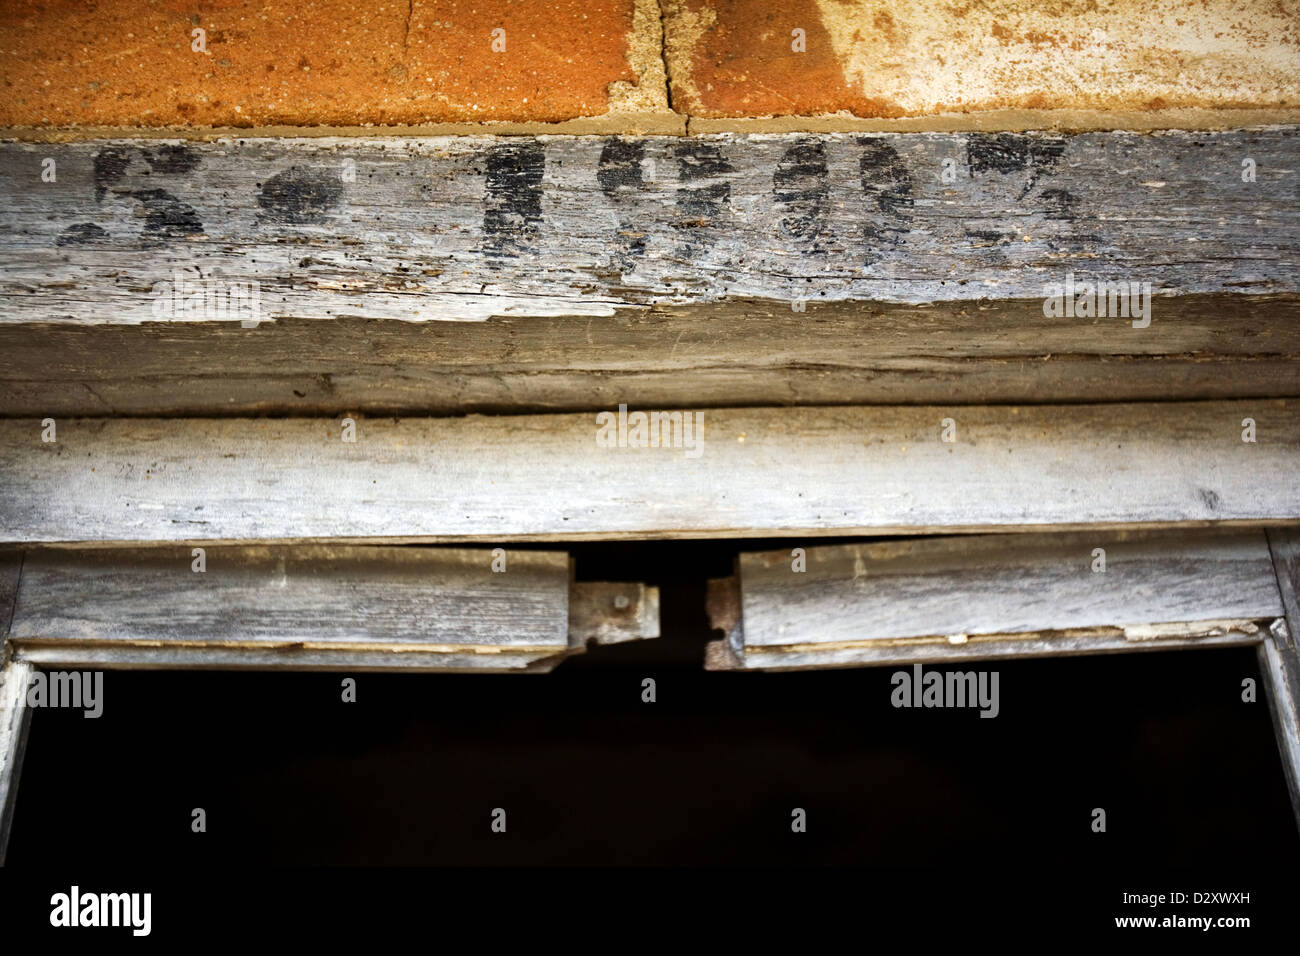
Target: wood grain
{"x":10,"y":566}
{"x":463,"y":228}
{"x":308,"y":607}
{"x":1279,"y":659}
{"x":998,"y":595}
{"x":14,"y":722}
{"x":746,"y":352}
{"x":1071,"y":642}
{"x":852,"y":470}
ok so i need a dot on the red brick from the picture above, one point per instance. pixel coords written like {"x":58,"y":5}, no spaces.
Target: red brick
{"x":317,"y":62}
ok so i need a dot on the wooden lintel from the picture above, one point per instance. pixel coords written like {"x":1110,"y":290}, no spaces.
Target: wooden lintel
{"x":336,"y":607}
{"x":463,"y":228}
{"x":733,"y":473}
{"x":984,"y":597}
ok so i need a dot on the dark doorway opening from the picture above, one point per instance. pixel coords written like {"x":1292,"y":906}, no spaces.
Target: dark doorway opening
{"x":709,"y":773}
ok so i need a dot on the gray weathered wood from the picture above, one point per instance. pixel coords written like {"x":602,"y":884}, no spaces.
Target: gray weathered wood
{"x":10,"y":567}
{"x":337,"y":606}
{"x":14,"y":721}
{"x":757,"y":472}
{"x":1279,"y":659}
{"x":462,"y":228}
{"x":747,"y":352}
{"x":13,"y":699}
{"x":996,"y":595}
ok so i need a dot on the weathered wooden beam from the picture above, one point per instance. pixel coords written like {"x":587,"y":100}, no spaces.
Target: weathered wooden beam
{"x":10,"y":567}
{"x":740,"y":472}
{"x":318,"y":607}
{"x":14,"y":720}
{"x":742,"y":352}
{"x":1279,"y":659}
{"x":655,"y":270}
{"x":463,"y":228}
{"x":993,"y":596}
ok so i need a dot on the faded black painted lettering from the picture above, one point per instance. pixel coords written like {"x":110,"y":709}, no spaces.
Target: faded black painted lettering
{"x":513,"y":203}
{"x":621,"y":175}
{"x":300,"y":196}
{"x":1006,"y":153}
{"x":108,"y":168}
{"x":165,"y":216}
{"x":887,"y":182}
{"x":703,"y":196}
{"x":801,"y":190}
{"x":80,"y":233}
{"x":172,"y":159}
